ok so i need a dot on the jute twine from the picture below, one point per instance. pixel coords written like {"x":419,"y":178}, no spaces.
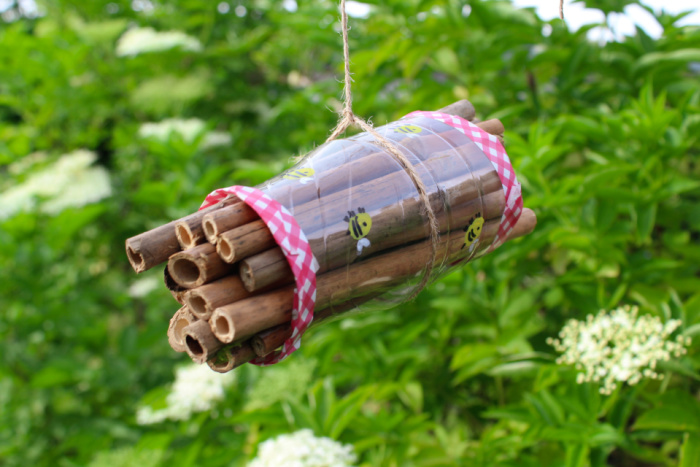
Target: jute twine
{"x":349,"y":118}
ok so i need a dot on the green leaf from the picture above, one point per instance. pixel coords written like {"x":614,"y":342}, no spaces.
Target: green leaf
{"x":668,"y":419}
{"x":690,"y":451}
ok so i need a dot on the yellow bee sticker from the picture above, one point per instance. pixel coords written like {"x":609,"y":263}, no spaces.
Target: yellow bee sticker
{"x":473,"y":230}
{"x":409,"y":130}
{"x":359,"y":226}
{"x":304,"y":175}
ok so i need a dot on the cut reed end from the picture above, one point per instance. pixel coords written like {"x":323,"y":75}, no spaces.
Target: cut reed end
{"x":226,"y":250}
{"x":525,"y":225}
{"x":176,"y":330}
{"x":184,"y":235}
{"x":222,"y":362}
{"x":247,"y":276}
{"x":210,"y":229}
{"x":223,"y":327}
{"x":231,"y":357}
{"x":195,"y":349}
{"x":135,"y":258}
{"x":185,"y":271}
{"x":198,"y":305}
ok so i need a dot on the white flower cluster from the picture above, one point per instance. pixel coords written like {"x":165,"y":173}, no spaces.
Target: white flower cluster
{"x":136,"y":41}
{"x":71,"y":181}
{"x":618,"y":347}
{"x":189,"y":129}
{"x":196,"y":389}
{"x":303,"y":449}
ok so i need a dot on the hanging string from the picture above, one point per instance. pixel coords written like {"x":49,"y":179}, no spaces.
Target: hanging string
{"x":561,"y":9}
{"x":349,"y":118}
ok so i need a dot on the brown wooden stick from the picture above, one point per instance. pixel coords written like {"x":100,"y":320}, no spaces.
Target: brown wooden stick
{"x":226,"y":219}
{"x":203,"y":300}
{"x":243,"y":318}
{"x":180,"y":320}
{"x":231,"y":357}
{"x":200,"y":342}
{"x":157,"y":245}
{"x":525,"y":225}
{"x":267,"y":341}
{"x":197,"y":266}
{"x":264,"y":269}
{"x":462,"y":108}
{"x":244,"y":241}
{"x":249,"y":316}
{"x":493,"y":126}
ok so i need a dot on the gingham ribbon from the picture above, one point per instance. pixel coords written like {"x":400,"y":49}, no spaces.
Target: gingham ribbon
{"x":291,"y":239}
{"x":496,"y":153}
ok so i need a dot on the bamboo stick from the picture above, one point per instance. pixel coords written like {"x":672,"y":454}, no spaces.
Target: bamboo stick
{"x":226,"y":219}
{"x":244,"y":241}
{"x":249,"y":316}
{"x":231,"y":357}
{"x":200,"y":342}
{"x":203,"y":300}
{"x":180,"y":320}
{"x":176,"y":291}
{"x":197,"y":266}
{"x":156,"y":245}
{"x":462,"y":108}
{"x":268,"y":340}
{"x":493,"y":126}
{"x":246,"y":317}
{"x":264,"y":269}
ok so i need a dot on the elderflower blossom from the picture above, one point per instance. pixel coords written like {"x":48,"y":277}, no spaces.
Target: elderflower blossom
{"x":618,"y":346}
{"x":188,"y":129}
{"x":71,"y":181}
{"x":196,"y":389}
{"x":303,"y":449}
{"x":136,"y":41}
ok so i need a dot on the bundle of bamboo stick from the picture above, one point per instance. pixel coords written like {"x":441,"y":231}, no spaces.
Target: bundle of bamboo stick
{"x":234,"y":282}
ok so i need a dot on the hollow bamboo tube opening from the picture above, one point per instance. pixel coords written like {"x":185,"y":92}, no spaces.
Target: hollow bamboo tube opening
{"x":223,"y":247}
{"x":200,"y":341}
{"x":231,"y":357}
{"x":203,"y":300}
{"x":196,"y":304}
{"x":180,"y":320}
{"x":210,"y":230}
{"x":196,"y":266}
{"x":135,"y":259}
{"x":184,"y":236}
{"x":185,"y":270}
{"x":223,"y":329}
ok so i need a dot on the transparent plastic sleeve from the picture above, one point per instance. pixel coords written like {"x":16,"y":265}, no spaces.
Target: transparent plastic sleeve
{"x":366,"y":224}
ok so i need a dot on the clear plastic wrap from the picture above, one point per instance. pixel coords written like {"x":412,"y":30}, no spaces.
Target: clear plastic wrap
{"x":365,"y":222}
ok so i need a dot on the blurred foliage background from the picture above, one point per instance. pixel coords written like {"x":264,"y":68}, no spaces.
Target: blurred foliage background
{"x":604,"y":138}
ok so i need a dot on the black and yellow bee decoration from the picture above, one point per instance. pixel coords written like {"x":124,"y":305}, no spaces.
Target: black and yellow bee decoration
{"x":408,"y":130}
{"x":359,"y":226}
{"x":304,"y":175}
{"x":473,"y":230}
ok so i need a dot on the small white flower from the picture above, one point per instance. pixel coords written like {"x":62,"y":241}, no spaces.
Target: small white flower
{"x":196,"y":389}
{"x":303,"y":449}
{"x":71,"y":181}
{"x":188,"y":129}
{"x":136,"y":41}
{"x":617,"y":347}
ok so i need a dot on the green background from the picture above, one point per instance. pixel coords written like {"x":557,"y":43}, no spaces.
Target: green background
{"x":604,"y":138}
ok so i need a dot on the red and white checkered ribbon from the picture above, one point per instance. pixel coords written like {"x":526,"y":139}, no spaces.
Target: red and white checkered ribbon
{"x":496,"y":153}
{"x":291,"y":239}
